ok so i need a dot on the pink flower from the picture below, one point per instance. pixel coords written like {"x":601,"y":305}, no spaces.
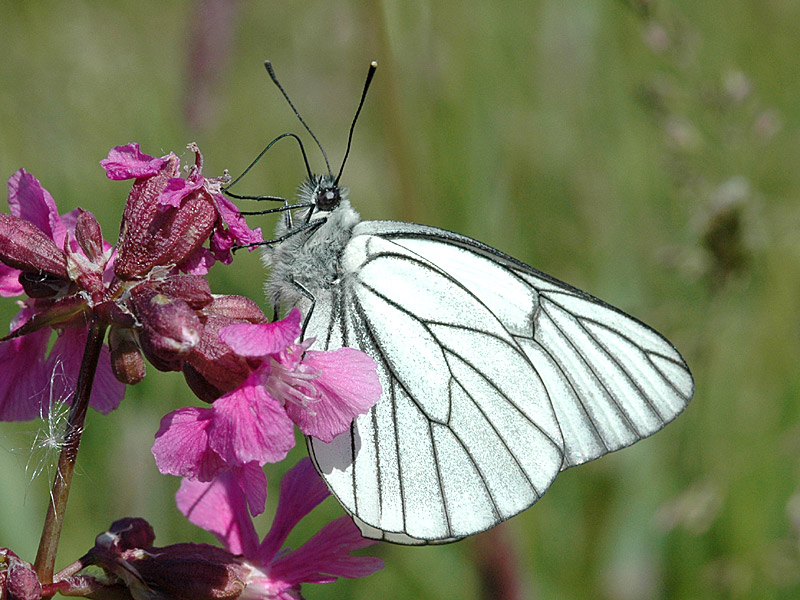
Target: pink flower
{"x":321,"y":392}
{"x":168,"y":218}
{"x":219,"y":506}
{"x":72,"y":276}
{"x":60,"y":262}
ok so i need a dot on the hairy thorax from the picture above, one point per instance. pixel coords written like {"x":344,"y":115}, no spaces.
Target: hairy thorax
{"x":311,"y":260}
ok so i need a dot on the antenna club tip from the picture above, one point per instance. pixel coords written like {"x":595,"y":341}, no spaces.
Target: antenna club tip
{"x":374,"y":64}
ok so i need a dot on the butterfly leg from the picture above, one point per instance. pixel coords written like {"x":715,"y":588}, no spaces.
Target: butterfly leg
{"x":307,"y":294}
{"x":283,"y":208}
{"x":304,"y":227}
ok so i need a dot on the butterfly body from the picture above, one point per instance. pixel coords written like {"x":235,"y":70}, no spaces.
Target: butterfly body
{"x":495,"y":376}
{"x":309,"y":260}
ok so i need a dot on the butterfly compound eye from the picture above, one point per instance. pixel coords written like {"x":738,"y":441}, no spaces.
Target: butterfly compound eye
{"x":328,"y":198}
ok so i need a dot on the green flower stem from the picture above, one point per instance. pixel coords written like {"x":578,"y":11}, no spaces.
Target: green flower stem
{"x":48,"y":544}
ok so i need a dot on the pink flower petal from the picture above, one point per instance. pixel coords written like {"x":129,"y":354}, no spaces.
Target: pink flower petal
{"x":262,"y":339}
{"x":219,"y":506}
{"x":24,"y":382}
{"x":177,"y":189}
{"x":28,"y":200}
{"x":128,"y":162}
{"x":9,"y":282}
{"x":230,"y":215}
{"x":181,"y":447}
{"x":198,"y":262}
{"x":220,"y":245}
{"x":253,"y":482}
{"x":250,"y":425}
{"x":326,"y":556}
{"x":349,"y":385}
{"x":302,"y":489}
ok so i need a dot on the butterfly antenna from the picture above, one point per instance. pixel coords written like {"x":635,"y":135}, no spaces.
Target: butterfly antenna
{"x":372,"y":67}
{"x":272,"y":75}
{"x":258,"y":158}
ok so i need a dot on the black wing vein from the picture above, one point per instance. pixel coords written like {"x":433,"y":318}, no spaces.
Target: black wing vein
{"x":624,"y":413}
{"x":575,"y":393}
{"x":437,"y":464}
{"x":377,"y":355}
{"x":502,"y":441}
{"x":493,"y":384}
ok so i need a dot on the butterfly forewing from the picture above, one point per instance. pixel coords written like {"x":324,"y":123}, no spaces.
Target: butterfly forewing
{"x":613,"y":380}
{"x":475,"y":437}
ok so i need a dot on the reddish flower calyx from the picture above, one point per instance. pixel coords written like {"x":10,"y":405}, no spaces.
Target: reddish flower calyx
{"x":169,"y":327}
{"x":25,"y":247}
{"x":180,"y":572}
{"x":127,"y":361}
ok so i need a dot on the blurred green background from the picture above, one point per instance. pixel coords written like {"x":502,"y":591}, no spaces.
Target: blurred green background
{"x":644,"y":151}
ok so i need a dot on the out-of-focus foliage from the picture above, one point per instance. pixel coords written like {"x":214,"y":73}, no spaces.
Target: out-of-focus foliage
{"x":644,"y":151}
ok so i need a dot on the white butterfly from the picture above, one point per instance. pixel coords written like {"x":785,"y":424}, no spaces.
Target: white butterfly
{"x":495,"y":376}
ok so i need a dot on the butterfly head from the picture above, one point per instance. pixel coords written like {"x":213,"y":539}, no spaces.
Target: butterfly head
{"x":327,"y":198}
{"x":323,"y":192}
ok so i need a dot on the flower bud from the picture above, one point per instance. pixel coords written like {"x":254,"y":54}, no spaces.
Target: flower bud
{"x":169,"y":328}
{"x":26,"y":247}
{"x":89,"y":236}
{"x":192,"y":289}
{"x":127,"y":533}
{"x":85,"y":273}
{"x":18,"y":580}
{"x":127,"y":361}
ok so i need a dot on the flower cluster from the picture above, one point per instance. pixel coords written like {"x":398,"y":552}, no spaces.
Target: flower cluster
{"x":257,"y":377}
{"x":281,"y":382}
{"x":245,"y":568}
{"x":146,"y":291}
